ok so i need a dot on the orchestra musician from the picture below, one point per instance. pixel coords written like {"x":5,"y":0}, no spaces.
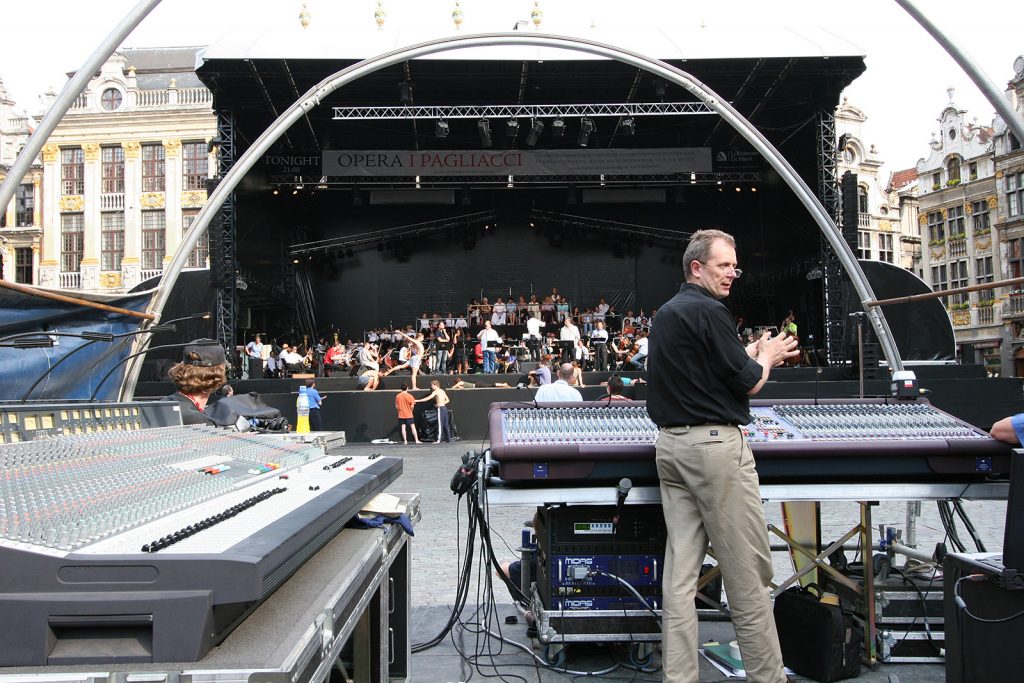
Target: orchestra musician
{"x":788,"y":327}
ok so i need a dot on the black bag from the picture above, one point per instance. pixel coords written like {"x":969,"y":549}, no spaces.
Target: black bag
{"x":226,"y":411}
{"x":818,"y":640}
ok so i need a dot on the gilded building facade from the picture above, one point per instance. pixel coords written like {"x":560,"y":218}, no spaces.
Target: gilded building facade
{"x":22,"y":219}
{"x":884,"y":233}
{"x":125,"y":172}
{"x":958,"y":207}
{"x":1009,"y":224}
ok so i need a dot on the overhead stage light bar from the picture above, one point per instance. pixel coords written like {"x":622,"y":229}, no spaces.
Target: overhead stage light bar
{"x":528,"y":111}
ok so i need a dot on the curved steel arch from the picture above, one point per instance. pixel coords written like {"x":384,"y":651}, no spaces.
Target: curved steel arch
{"x":317,"y":93}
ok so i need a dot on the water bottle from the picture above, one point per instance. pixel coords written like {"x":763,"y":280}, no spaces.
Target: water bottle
{"x":302,"y":411}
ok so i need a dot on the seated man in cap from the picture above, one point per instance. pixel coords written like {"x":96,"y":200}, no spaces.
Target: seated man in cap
{"x":201,"y":372}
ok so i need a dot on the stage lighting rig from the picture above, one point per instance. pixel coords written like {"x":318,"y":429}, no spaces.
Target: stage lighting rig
{"x":512,"y":128}
{"x":536,"y":128}
{"x":558,"y":128}
{"x":441,"y":129}
{"x":483,"y":126}
{"x":628,"y":126}
{"x":586,"y":128}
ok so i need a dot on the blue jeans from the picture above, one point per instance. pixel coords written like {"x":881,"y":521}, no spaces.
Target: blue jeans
{"x":639,"y":361}
{"x":490,"y":362}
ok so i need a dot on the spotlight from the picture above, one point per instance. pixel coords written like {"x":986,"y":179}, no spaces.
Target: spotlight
{"x":753,"y":189}
{"x":441,"y":129}
{"x":739,"y":189}
{"x":586,"y":128}
{"x":628,"y":126}
{"x":483,"y":126}
{"x":557,"y":128}
{"x":536,"y":128}
{"x":275,"y":190}
{"x":405,"y":93}
{"x":295,"y":191}
{"x":512,"y":128}
{"x":511,"y":180}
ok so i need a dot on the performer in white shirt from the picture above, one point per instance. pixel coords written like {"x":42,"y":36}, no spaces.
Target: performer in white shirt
{"x":489,"y":341}
{"x":599,"y":344}
{"x":568,"y":333}
{"x":533,"y":341}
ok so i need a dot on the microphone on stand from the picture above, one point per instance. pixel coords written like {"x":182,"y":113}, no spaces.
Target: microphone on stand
{"x":621,"y":492}
{"x":817,"y":378}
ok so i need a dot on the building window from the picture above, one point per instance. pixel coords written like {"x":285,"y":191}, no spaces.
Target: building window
{"x":885,"y":251}
{"x":953,"y":171}
{"x":153,"y":172}
{"x":112,"y":240}
{"x":939,"y":281}
{"x":154,"y":244}
{"x":113,"y":170}
{"x":862,"y":200}
{"x":955,"y":221}
{"x":195,"y":164}
{"x":1014,"y":193}
{"x":957,"y":279}
{"x":72,"y":241}
{"x":201,"y":252}
{"x":982,"y":274}
{"x":111,"y":99}
{"x":936,"y":180}
{"x":23,"y":265}
{"x":980,"y":221}
{"x":72,"y":171}
{"x":25,"y":205}
{"x":863,"y":245}
{"x":972,"y":170}
{"x":1015,"y":257}
{"x":936,"y":226}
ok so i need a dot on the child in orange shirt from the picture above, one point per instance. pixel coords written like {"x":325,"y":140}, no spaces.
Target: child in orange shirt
{"x":404,"y":403}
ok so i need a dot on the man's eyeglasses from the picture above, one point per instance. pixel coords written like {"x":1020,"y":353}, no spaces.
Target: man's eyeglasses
{"x":736,"y":272}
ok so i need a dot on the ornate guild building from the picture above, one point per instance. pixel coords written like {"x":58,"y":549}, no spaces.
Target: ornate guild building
{"x":20,"y":221}
{"x":1009,"y":223}
{"x":125,"y":173}
{"x":883,"y":234}
{"x":956,"y":189}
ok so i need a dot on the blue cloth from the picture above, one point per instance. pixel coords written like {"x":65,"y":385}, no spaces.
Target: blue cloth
{"x":490,"y":362}
{"x":379,"y":521}
{"x":1018,"y":426}
{"x":315,"y":400}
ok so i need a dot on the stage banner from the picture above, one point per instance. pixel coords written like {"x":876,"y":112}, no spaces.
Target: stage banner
{"x":516,"y":162}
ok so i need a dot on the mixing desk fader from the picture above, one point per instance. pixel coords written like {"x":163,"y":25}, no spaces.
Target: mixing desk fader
{"x":793,"y":441}
{"x":152,"y":545}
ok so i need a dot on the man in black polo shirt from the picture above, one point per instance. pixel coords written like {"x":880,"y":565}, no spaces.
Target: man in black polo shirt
{"x":699,"y":380}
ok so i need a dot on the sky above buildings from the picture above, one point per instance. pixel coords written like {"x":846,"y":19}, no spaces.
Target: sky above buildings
{"x":903,"y":90}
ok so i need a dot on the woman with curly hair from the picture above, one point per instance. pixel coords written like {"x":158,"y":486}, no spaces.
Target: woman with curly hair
{"x":201,"y":372}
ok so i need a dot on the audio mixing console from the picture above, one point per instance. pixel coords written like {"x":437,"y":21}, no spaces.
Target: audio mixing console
{"x":152,"y":545}
{"x":793,"y":441}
